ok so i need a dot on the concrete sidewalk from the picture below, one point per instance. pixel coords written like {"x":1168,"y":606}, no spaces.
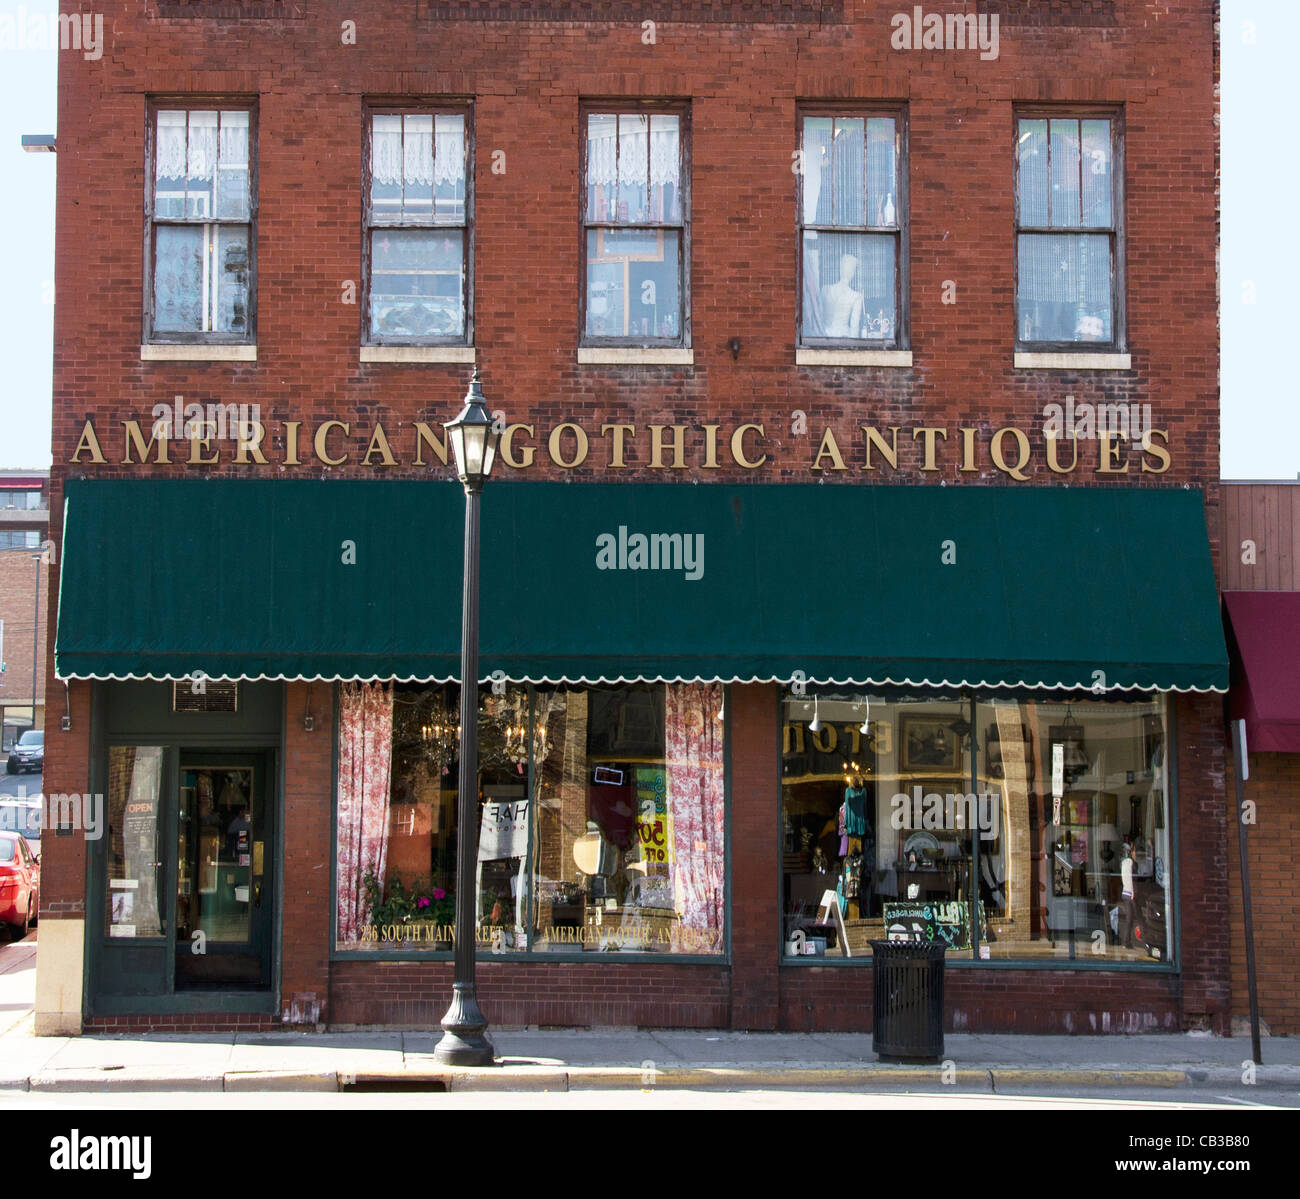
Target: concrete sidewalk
{"x":627,"y":1059}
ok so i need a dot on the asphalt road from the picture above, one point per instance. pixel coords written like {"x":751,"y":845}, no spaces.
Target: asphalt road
{"x":20,"y":784}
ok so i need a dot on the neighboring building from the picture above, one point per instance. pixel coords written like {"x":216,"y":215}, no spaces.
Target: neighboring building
{"x":860,"y":461}
{"x":1260,"y":575}
{"x":24,"y":592}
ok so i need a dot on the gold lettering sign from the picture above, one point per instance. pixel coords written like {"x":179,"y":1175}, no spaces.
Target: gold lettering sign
{"x":869,"y":450}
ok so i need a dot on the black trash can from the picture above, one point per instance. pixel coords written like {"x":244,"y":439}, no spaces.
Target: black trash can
{"x":907,"y":982}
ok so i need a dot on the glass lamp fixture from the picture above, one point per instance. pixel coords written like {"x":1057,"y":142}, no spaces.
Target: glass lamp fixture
{"x":865,"y":727}
{"x":474,"y":438}
{"x":815,"y":724}
{"x":1076,"y":754}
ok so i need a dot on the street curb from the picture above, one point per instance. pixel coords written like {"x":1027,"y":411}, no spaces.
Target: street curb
{"x":1019,"y":1077}
{"x":280,"y":1080}
{"x":463,"y":1079}
{"x":713,"y":1077}
{"x":100,"y":1081}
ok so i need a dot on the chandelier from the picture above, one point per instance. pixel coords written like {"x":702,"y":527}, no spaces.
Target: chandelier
{"x":440,"y":729}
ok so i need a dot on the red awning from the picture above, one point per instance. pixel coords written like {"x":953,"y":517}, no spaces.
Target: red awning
{"x":1264,"y":647}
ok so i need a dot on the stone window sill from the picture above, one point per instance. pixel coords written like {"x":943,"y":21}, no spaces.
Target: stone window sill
{"x":1073,"y":362}
{"x":417,"y":354}
{"x":813,"y":357}
{"x":197,"y":353}
{"x":635,"y":356}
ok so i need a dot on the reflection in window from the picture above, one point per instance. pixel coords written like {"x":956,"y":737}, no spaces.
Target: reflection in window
{"x":635,"y":220}
{"x":201,"y":212}
{"x":1036,"y":829}
{"x":1066,"y":230}
{"x":601,"y":819}
{"x":871,"y":832}
{"x":1081,"y":865}
{"x":851,"y":228}
{"x":417,"y":234}
{"x":134,"y":865}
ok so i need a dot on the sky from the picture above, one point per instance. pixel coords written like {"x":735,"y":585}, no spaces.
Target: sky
{"x":1260,"y":262}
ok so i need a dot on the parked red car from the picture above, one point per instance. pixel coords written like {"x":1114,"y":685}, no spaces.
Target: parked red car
{"x":20,"y":884}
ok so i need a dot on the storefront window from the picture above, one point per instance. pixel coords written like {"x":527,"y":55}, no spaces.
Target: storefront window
{"x":601,"y":819}
{"x":1001,"y":828}
{"x":1079,"y":864}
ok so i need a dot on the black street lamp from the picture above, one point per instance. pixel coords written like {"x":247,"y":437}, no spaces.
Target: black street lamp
{"x":474,"y":441}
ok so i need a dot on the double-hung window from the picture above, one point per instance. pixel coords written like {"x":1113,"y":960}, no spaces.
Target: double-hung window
{"x":418,"y":212}
{"x":1069,"y":231}
{"x":636,"y":227}
{"x":852,"y":173}
{"x":201,"y":210}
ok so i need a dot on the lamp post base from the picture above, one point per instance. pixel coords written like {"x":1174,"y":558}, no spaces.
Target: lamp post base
{"x":463,"y":1042}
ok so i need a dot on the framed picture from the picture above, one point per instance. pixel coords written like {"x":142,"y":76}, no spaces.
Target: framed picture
{"x":1077,"y":810}
{"x":929,"y":745}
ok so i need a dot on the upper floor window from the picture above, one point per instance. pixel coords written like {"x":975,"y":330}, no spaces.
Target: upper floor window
{"x":202,"y":204}
{"x":852,"y":229}
{"x":418,"y":213}
{"x":636,"y":227}
{"x":1069,"y":224}
{"x":19,"y":498}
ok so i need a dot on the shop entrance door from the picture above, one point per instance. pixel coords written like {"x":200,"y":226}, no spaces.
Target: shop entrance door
{"x":224,"y":892}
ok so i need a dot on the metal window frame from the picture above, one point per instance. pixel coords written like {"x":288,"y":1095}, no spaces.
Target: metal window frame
{"x":192,"y":104}
{"x":626,"y":107}
{"x":434,"y":107}
{"x":897,"y":110}
{"x":1115,"y":231}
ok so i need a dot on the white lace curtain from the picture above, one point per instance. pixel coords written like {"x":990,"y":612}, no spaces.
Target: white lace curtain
{"x":619,"y":151}
{"x":190,"y":144}
{"x":409,"y":149}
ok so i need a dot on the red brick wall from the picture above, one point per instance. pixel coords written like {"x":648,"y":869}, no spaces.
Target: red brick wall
{"x":67,"y":772}
{"x":1273,"y":845}
{"x":527,"y":78}
{"x":305,"y":914}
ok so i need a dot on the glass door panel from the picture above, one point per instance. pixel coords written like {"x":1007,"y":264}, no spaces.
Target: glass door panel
{"x":222,"y":914}
{"x":135,"y":813}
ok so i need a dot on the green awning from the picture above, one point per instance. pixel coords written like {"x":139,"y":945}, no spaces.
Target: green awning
{"x":950,"y":586}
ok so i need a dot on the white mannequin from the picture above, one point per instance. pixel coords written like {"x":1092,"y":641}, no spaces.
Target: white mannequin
{"x":1127,"y":908}
{"x":841,"y":305}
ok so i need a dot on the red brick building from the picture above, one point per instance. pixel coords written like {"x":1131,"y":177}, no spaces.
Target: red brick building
{"x":852,"y":569}
{"x":1258,"y":573}
{"x":24,"y":596}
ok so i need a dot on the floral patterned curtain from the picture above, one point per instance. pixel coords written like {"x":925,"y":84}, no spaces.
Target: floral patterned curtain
{"x":365,"y":762}
{"x":693,"y":748}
